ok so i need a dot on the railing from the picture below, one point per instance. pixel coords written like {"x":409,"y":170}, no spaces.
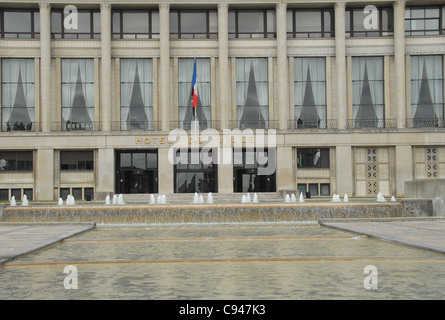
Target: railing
{"x":142,"y":125}
{"x":76,"y":126}
{"x":425,"y":123}
{"x":187,"y":125}
{"x":20,"y":126}
{"x":378,"y":124}
{"x":321,"y":124}
{"x":254,"y":124}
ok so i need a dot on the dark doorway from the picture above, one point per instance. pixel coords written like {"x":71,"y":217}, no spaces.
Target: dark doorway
{"x":137,"y":171}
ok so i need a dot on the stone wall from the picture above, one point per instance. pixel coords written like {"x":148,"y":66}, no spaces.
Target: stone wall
{"x":433,"y":189}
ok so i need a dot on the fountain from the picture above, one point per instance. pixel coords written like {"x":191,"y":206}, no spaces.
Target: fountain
{"x":293,"y":198}
{"x":196,"y":198}
{"x":13,"y":203}
{"x":107,"y":200}
{"x":301,"y":197}
{"x":70,"y":200}
{"x":336,"y":198}
{"x":380,"y":198}
{"x":115,"y":199}
{"x":25,"y":201}
{"x":287,"y":198}
{"x":210,"y":198}
{"x":201,"y":198}
{"x":152,"y":199}
{"x":255,"y":198}
{"x":346,"y":199}
{"x":393,"y":198}
{"x":243,"y":199}
{"x":120,"y":199}
{"x":163,"y":199}
{"x":60,"y":203}
{"x":248,"y":199}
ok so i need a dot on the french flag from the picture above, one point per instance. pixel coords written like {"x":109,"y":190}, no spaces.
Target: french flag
{"x":195,"y":89}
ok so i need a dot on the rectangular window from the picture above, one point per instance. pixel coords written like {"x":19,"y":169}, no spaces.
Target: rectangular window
{"x":313,"y":158}
{"x":424,"y":21}
{"x":312,"y":23}
{"x":368,"y":96}
{"x":18,"y":95}
{"x":88,"y":25}
{"x":310,"y":93}
{"x":4,"y":194}
{"x":136,"y":94}
{"x":427,"y":101}
{"x":16,"y":161}
{"x":78,"y":94}
{"x":20,"y":23}
{"x":203,"y":111}
{"x":186,"y":24}
{"x":135,"y":24}
{"x":252,"y":24}
{"x":361,"y":24}
{"x":76,"y":160}
{"x":252,"y":96}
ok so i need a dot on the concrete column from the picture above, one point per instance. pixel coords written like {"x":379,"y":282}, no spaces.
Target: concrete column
{"x":166,"y":176}
{"x":343,"y":169}
{"x":283,"y":74}
{"x":225,"y":170}
{"x":223,"y":66}
{"x":164,"y":68}
{"x":404,"y":168}
{"x":44,"y":180}
{"x":284,"y":169}
{"x":45,"y":66}
{"x":105,"y":171}
{"x":340,"y":60}
{"x":399,"y":61}
{"x":105,"y":67}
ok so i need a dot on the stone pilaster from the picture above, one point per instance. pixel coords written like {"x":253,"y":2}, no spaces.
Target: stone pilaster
{"x":399,"y":61}
{"x":164,"y":68}
{"x":223,"y":66}
{"x":340,"y":60}
{"x":105,"y":67}
{"x":45,"y":66}
{"x":283,"y":74}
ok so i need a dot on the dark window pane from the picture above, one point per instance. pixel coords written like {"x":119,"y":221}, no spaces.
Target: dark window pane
{"x":16,"y":22}
{"x":313,"y":158}
{"x":64,"y":192}
{"x":77,"y":193}
{"x":17,"y":194}
{"x":29,"y":194}
{"x":116,"y":22}
{"x":56,"y":22}
{"x":308,"y":21}
{"x":193,"y":22}
{"x":250,"y":22}
{"x":4,"y":194}
{"x":96,"y":22}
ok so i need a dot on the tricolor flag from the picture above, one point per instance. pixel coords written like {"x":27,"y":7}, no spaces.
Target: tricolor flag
{"x":195,"y":89}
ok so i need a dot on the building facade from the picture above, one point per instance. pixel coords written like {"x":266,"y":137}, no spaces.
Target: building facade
{"x":351,"y":93}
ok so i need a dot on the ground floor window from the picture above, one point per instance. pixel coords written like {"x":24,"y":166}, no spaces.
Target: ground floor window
{"x":192,"y":174}
{"x":18,"y":193}
{"x":247,"y":176}
{"x":314,"y":189}
{"x":136,"y":171}
{"x":78,"y":193}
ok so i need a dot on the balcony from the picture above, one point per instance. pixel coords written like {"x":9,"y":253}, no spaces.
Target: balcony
{"x":425,"y":123}
{"x":134,"y":126}
{"x":76,"y":126}
{"x":371,"y":124}
{"x":254,"y":124}
{"x":187,"y":125}
{"x":20,"y":126}
{"x":321,"y":124}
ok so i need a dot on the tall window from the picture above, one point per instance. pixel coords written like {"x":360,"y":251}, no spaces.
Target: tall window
{"x":193,"y":177}
{"x":16,"y":161}
{"x":427,"y":91}
{"x":88,"y":25}
{"x":20,"y":23}
{"x":252,"y":24}
{"x":76,"y":160}
{"x":77,"y":94}
{"x":252,"y":98}
{"x":368,"y":104}
{"x":135,"y":24}
{"x":18,"y":94}
{"x":203,"y":111}
{"x":314,"y":23}
{"x":186,"y":24}
{"x":136,"y":94}
{"x":310,"y":92}
{"x":423,"y":21}
{"x":355,"y":26}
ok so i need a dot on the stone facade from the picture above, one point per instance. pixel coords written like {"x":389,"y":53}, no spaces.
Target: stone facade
{"x":401,"y":148}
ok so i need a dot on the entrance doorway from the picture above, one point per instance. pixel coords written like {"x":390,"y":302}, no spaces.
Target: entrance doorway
{"x":137,"y":171}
